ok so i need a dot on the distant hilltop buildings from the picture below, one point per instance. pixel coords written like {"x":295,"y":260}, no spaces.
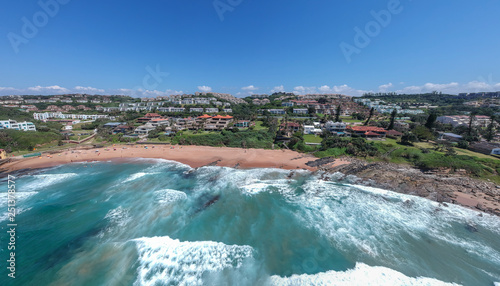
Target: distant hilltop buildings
{"x":382,"y":107}
{"x":456,"y":120}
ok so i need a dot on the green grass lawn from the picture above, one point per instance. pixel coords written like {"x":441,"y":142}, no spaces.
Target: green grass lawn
{"x":258,"y":126}
{"x":426,"y":145}
{"x":310,"y":138}
{"x":473,"y":154}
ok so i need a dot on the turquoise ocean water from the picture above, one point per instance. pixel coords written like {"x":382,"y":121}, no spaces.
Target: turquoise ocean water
{"x":157,"y":222}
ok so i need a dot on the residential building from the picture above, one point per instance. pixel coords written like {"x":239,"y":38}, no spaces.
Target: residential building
{"x":367,"y":131}
{"x":261,"y":101}
{"x":338,"y":128}
{"x":12,"y":124}
{"x":290,"y":126}
{"x":215,"y":123}
{"x":401,"y":125}
{"x":47,"y":115}
{"x":228,"y":110}
{"x":196,"y":109}
{"x":393,"y":134}
{"x":456,"y":120}
{"x":311,"y":129}
{"x":159,"y":121}
{"x":148,"y":117}
{"x":277,"y":111}
{"x":242,"y":123}
{"x":300,"y":111}
{"x":171,"y":109}
{"x":144,"y":129}
{"x":211,"y":110}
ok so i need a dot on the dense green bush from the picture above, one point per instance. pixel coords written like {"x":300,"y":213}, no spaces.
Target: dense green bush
{"x":242,"y":139}
{"x":25,"y":140}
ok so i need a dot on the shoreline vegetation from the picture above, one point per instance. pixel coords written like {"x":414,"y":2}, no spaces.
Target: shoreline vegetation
{"x":442,"y":187}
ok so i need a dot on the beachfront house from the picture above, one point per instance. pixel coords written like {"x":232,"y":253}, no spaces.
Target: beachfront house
{"x":218,"y":122}
{"x":337,"y":128}
{"x":311,"y":129}
{"x":290,"y":127}
{"x":144,"y":129}
{"x":367,"y":131}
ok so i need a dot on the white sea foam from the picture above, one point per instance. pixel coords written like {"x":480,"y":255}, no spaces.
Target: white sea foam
{"x":168,"y":196}
{"x":376,"y":221}
{"x":169,"y":261}
{"x":20,"y":198}
{"x":45,"y":180}
{"x":362,"y":275}
{"x":119,"y":216}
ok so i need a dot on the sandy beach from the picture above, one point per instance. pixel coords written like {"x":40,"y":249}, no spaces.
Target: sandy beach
{"x":194,"y":156}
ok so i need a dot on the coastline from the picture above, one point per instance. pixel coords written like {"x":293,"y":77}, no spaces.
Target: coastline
{"x":467,"y":192}
{"x":444,"y":188}
{"x":194,"y":156}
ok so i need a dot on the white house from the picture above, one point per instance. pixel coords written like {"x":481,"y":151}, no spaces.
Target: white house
{"x":335,"y":127}
{"x":12,"y":124}
{"x":311,"y":129}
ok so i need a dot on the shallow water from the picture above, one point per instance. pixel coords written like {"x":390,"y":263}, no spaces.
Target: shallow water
{"x":157,"y":222}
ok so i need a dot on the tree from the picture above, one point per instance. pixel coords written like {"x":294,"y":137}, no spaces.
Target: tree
{"x":472,"y":118}
{"x":372,"y":110}
{"x":358,"y":116}
{"x":393,"y":117}
{"x":431,"y":120}
{"x":463,"y":144}
{"x":423,"y":133}
{"x":408,"y":138}
{"x":337,"y":114}
{"x":311,"y":110}
{"x":490,"y":131}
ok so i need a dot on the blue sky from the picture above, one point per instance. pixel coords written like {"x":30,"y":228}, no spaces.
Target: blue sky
{"x":241,"y":47}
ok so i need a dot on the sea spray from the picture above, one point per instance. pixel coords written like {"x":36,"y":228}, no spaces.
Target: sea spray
{"x":155,"y":221}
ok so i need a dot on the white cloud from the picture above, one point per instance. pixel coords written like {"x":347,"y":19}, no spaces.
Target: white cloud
{"x":89,"y":90}
{"x":452,"y":87}
{"x":279,"y":88}
{"x":325,"y":89}
{"x":51,"y":90}
{"x":250,"y":88}
{"x":54,"y":89}
{"x":205,"y":88}
{"x":385,"y":87}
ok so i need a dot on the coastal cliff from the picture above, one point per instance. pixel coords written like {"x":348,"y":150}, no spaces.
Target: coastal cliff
{"x":438,"y":185}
